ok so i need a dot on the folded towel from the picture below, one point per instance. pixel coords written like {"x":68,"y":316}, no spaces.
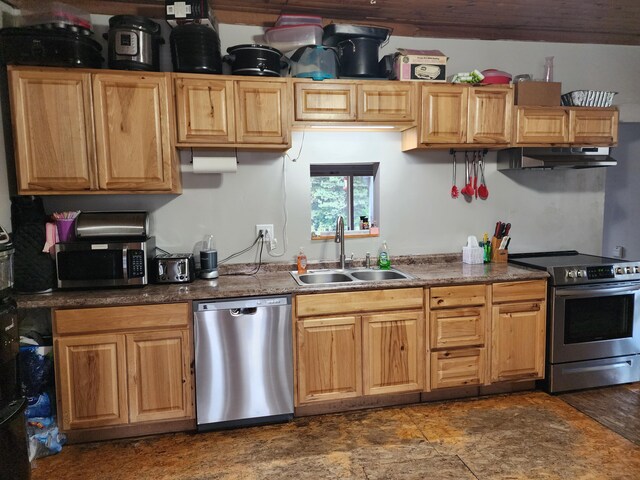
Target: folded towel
{"x":51,"y":233}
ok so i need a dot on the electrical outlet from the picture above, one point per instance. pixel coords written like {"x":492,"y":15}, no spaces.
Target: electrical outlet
{"x":618,"y":252}
{"x":267,"y":230}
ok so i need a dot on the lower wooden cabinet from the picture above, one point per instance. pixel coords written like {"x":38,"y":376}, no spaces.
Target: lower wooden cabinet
{"x":458,"y":368}
{"x":359,"y":343}
{"x":518,"y":330}
{"x":120,"y":366}
{"x":329,"y":358}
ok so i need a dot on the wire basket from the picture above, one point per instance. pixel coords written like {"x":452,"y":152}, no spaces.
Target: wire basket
{"x":588,"y":98}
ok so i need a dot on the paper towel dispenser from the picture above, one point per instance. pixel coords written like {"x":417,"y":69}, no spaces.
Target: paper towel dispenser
{"x":554,"y":157}
{"x":211,"y":161}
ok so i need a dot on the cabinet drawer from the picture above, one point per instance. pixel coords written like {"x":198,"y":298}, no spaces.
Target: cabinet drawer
{"x":458,"y":368}
{"x":458,"y":296}
{"x":107,"y":319}
{"x":519,"y":291}
{"x":358,"y":302}
{"x":459,"y":327}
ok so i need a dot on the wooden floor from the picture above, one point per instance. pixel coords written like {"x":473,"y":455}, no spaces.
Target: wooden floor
{"x":529,"y":435}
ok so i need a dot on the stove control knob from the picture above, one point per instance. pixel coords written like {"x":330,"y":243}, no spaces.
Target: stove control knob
{"x":619,"y":270}
{"x":579,"y":274}
{"x":638,"y":269}
{"x":629,"y":270}
{"x":571,"y":273}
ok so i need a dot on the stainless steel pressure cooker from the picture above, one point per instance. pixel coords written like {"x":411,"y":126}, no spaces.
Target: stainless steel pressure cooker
{"x":134,"y":43}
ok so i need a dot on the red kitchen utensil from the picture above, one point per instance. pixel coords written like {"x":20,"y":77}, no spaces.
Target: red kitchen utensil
{"x":454,"y":189}
{"x":467,"y":190}
{"x":483,"y":191}
{"x":475,"y":175}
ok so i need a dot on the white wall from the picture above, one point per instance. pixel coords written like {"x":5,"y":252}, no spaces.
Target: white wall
{"x":548,"y":210}
{"x":622,"y":206}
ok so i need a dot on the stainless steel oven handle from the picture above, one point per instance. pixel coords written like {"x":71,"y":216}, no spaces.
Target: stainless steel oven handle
{"x":596,"y":292}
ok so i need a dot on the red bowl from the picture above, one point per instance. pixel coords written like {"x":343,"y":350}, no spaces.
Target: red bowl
{"x":495,"y":77}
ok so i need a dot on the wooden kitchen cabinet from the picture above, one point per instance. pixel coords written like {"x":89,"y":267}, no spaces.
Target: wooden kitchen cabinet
{"x":366,"y":101}
{"x":85,"y":131}
{"x":226,"y":112}
{"x":123,"y":366}
{"x":460,"y":115}
{"x":392,"y":349}
{"x":544,"y":126}
{"x":329,"y":358}
{"x":350,"y":344}
{"x":518,"y":322}
{"x":457,"y":339}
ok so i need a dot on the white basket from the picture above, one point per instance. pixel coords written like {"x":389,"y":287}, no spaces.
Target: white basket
{"x":472,"y":255}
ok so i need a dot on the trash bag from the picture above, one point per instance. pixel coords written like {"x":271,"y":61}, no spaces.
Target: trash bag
{"x":44,"y":437}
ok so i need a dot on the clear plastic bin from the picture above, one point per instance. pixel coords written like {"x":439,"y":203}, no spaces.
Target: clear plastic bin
{"x":289,"y":38}
{"x":288,"y":20}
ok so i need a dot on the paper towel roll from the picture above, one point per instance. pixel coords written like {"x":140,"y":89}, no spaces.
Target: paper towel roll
{"x":214,"y":162}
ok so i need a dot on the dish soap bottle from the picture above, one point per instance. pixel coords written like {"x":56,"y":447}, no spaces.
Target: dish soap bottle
{"x":302,"y":262}
{"x":384,"y":261}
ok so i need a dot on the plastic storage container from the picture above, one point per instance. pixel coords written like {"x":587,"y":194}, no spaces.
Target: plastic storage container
{"x":288,"y":20}
{"x":290,"y":37}
{"x":315,"y":61}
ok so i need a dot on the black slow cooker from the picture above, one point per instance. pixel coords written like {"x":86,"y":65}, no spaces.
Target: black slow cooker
{"x":260,"y":60}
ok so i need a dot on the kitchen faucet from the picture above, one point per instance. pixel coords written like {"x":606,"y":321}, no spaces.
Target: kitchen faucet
{"x":340,"y":239}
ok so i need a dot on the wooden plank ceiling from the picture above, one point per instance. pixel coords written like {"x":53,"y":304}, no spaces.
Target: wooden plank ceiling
{"x":614,"y":22}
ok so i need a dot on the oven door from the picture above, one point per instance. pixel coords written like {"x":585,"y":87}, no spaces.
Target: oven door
{"x":594,"y":321}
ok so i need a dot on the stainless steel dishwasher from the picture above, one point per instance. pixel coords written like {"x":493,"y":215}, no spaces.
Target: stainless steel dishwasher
{"x":243,"y":361}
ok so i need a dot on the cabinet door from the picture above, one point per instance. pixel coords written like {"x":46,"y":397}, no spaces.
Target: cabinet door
{"x":132,"y":132}
{"x":91,"y":379}
{"x":158,"y":375}
{"x":539,"y":125}
{"x":325,"y":101}
{"x":53,"y":130}
{"x":204,"y":110}
{"x":518,"y":341}
{"x":262,"y":112}
{"x":380,"y":103}
{"x":444,"y":114}
{"x":458,"y":368}
{"x":489,"y":120}
{"x":594,"y":127}
{"x":392,"y":352}
{"x":459,"y":327}
{"x":329,"y":358}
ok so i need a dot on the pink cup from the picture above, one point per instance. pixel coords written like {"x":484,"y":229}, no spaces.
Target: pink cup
{"x":66,"y":229}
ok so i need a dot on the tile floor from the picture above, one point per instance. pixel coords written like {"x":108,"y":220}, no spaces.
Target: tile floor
{"x":528,"y":435}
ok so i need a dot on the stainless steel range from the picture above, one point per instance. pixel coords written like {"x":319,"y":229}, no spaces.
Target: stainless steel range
{"x":593,"y":319}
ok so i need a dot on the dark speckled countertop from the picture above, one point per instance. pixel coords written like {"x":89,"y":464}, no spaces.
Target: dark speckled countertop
{"x":274,"y":279}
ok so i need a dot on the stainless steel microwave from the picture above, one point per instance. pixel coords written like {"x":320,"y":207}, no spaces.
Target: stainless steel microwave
{"x":91,"y":264}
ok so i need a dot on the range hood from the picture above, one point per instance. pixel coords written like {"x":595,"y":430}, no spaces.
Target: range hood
{"x":554,"y":157}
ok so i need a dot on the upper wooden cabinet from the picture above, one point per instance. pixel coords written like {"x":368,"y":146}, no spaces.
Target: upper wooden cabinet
{"x":366,"y":101}
{"x":543,"y":126}
{"x":85,"y":131}
{"x":222,"y":111}
{"x":455,"y":115}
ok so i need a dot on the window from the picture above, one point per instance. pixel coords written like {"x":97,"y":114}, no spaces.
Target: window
{"x":347,"y":190}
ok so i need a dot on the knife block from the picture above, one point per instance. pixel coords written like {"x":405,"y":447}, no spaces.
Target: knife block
{"x":498,"y":255}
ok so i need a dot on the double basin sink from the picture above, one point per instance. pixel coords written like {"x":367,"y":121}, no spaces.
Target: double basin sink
{"x":329,"y":277}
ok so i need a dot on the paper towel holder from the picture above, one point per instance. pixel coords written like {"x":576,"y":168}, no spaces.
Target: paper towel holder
{"x":211,"y":161}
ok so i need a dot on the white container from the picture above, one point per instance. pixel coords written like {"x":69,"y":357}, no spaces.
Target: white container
{"x":289,"y":38}
{"x":472,"y":255}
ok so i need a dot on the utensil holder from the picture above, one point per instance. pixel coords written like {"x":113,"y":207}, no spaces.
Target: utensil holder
{"x":498,"y":255}
{"x":66,"y":229}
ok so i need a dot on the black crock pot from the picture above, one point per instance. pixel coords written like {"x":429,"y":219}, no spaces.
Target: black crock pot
{"x":195,"y":49}
{"x":134,"y":43}
{"x":252,"y":59}
{"x":359,"y":57}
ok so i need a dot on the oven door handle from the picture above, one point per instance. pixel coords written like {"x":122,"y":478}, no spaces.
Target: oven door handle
{"x":593,"y":292}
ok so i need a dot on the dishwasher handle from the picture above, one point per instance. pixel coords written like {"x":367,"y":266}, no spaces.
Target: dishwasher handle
{"x":238,"y":312}
{"x":240,"y":303}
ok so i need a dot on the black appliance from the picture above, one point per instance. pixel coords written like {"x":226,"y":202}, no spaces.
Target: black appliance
{"x":195,"y":49}
{"x":358,"y":48}
{"x":258,"y":60}
{"x":34,"y":270}
{"x":59,"y":47}
{"x":134,"y":43}
{"x":593,"y":319}
{"x":14,"y":452}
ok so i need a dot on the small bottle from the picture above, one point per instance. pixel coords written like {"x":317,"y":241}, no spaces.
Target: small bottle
{"x":302,"y":262}
{"x":384,"y":261}
{"x":548,"y":69}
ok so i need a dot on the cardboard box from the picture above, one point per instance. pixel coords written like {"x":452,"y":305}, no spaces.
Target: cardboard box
{"x":429,"y":65}
{"x":190,"y":11}
{"x":545,"y":94}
